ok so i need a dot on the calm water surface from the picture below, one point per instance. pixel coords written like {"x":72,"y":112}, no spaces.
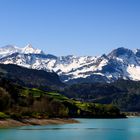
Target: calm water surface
{"x":87,"y":129}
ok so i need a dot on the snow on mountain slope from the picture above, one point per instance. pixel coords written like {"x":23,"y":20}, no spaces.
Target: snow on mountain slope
{"x":10,"y":49}
{"x":120,"y":63}
{"x":29,"y":49}
{"x":134,"y":72}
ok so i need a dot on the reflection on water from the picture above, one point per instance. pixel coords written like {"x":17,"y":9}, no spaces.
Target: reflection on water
{"x":87,"y":129}
{"x":98,"y":129}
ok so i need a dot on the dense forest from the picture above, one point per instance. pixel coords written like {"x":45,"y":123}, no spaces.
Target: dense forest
{"x":22,"y":102}
{"x":26,"y":93}
{"x":125,"y":94}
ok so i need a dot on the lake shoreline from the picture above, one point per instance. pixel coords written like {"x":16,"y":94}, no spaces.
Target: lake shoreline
{"x":9,"y":123}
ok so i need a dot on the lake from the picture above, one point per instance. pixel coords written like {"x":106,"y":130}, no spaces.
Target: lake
{"x":87,"y":129}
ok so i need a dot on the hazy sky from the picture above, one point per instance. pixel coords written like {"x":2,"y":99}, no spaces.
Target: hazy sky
{"x":79,"y":27}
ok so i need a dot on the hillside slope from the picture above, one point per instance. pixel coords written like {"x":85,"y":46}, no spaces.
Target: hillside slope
{"x":124,"y":94}
{"x":30,"y":77}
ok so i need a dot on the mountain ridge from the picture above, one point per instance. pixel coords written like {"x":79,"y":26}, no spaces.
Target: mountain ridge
{"x":31,"y":78}
{"x":121,"y":63}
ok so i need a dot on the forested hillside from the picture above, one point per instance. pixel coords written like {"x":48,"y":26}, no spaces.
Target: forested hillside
{"x":125,"y":94}
{"x":22,"y":102}
{"x":28,"y":93}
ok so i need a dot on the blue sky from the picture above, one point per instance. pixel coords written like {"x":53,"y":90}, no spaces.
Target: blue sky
{"x":79,"y":27}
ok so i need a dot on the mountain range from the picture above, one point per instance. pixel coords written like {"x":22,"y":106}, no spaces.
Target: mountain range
{"x":121,"y":63}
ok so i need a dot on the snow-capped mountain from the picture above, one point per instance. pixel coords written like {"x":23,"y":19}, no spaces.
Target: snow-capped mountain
{"x":120,"y":63}
{"x":10,"y":49}
{"x":30,"y":50}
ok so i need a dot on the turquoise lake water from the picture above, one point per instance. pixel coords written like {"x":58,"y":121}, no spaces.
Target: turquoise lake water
{"x":87,"y":129}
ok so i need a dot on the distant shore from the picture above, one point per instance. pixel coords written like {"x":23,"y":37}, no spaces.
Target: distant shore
{"x":9,"y":123}
{"x":132,"y":114}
